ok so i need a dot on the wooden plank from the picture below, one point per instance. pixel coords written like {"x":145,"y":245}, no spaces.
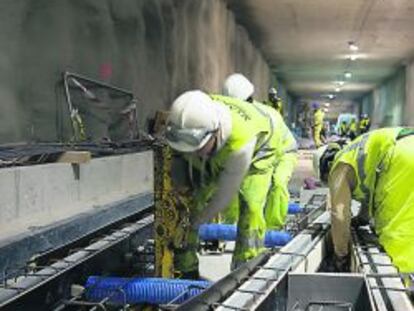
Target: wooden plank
{"x":75,"y":157}
{"x":160,"y":121}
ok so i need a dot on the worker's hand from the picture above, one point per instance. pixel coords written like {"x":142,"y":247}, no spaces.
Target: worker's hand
{"x":341,"y":264}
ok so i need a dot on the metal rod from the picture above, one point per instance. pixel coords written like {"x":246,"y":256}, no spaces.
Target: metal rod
{"x":68,"y":74}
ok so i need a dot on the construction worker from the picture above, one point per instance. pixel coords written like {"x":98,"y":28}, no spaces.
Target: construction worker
{"x":364,"y":124}
{"x":353,"y":130}
{"x":275,"y":101}
{"x":343,"y":129}
{"x":238,"y":86}
{"x":375,"y":169}
{"x":318,"y":116}
{"x":231,"y":137}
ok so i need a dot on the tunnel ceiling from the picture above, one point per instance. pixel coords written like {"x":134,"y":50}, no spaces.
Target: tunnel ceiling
{"x":306,"y":42}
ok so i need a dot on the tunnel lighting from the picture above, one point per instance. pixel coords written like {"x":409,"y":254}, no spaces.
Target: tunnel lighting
{"x":337,"y":89}
{"x":353,"y":57}
{"x":352,"y":46}
{"x":348,"y":74}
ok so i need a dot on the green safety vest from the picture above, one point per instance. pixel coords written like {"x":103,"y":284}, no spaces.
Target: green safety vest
{"x":278,"y":106}
{"x":370,"y":156}
{"x":363,"y":123}
{"x":318,"y":117}
{"x":343,"y":128}
{"x":365,"y":154}
{"x":282,"y":139}
{"x":247,"y":122}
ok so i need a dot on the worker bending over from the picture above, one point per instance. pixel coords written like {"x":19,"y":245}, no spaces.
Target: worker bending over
{"x":318,"y":116}
{"x":232,"y":139}
{"x":282,"y":141}
{"x":364,"y":124}
{"x":377,"y":170}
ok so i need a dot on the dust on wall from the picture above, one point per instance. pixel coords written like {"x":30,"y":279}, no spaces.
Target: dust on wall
{"x":156,"y":48}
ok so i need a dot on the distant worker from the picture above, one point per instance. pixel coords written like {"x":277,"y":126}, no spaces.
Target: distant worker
{"x":375,"y":169}
{"x":282,"y":141}
{"x":318,"y":116}
{"x":353,"y":129}
{"x":343,"y":129}
{"x":231,"y":137}
{"x":364,"y":124}
{"x":325,"y":132}
{"x":275,"y":101}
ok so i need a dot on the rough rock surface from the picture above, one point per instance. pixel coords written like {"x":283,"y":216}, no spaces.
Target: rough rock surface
{"x":157,"y":48}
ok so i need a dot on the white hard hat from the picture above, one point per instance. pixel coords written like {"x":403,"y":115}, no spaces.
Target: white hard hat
{"x":192,"y":121}
{"x":272,"y":91}
{"x":317,"y":155}
{"x":238,"y":86}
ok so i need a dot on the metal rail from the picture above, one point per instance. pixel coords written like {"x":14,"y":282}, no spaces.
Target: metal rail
{"x":384,"y":280}
{"x":13,"y":290}
{"x":248,"y":287}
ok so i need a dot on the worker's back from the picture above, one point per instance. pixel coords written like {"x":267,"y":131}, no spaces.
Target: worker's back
{"x":383,"y":167}
{"x":283,"y":139}
{"x":246,"y":123}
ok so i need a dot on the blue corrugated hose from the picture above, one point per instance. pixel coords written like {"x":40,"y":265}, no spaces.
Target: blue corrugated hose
{"x":223,"y":232}
{"x":142,"y":290}
{"x":294,"y":208}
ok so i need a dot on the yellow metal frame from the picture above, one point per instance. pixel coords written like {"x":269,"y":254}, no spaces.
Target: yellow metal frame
{"x":171,"y":213}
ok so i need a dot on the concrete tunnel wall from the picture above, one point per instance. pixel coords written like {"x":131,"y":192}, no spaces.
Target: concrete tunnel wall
{"x":156,"y":48}
{"x":387,"y":103}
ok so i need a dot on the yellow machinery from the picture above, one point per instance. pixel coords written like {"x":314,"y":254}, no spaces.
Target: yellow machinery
{"x":171,"y":214}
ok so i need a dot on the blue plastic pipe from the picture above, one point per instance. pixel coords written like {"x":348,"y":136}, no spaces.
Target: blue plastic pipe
{"x":223,"y":232}
{"x":142,"y":290}
{"x":294,"y":208}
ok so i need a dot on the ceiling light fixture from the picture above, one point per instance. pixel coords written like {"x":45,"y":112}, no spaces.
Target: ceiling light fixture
{"x":348,"y":74}
{"x":352,"y":46}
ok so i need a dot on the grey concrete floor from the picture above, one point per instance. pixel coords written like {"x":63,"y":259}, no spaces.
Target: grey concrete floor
{"x":214,"y":266}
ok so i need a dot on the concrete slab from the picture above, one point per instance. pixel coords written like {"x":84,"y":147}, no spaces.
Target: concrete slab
{"x":59,"y":186}
{"x":143,"y":179}
{"x":213,"y":267}
{"x":100,"y":177}
{"x":30,"y":188}
{"x":35,"y":196}
{"x":8,"y":196}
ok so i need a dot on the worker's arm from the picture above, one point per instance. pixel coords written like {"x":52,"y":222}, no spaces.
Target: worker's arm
{"x":230,"y":179}
{"x":340,"y":186}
